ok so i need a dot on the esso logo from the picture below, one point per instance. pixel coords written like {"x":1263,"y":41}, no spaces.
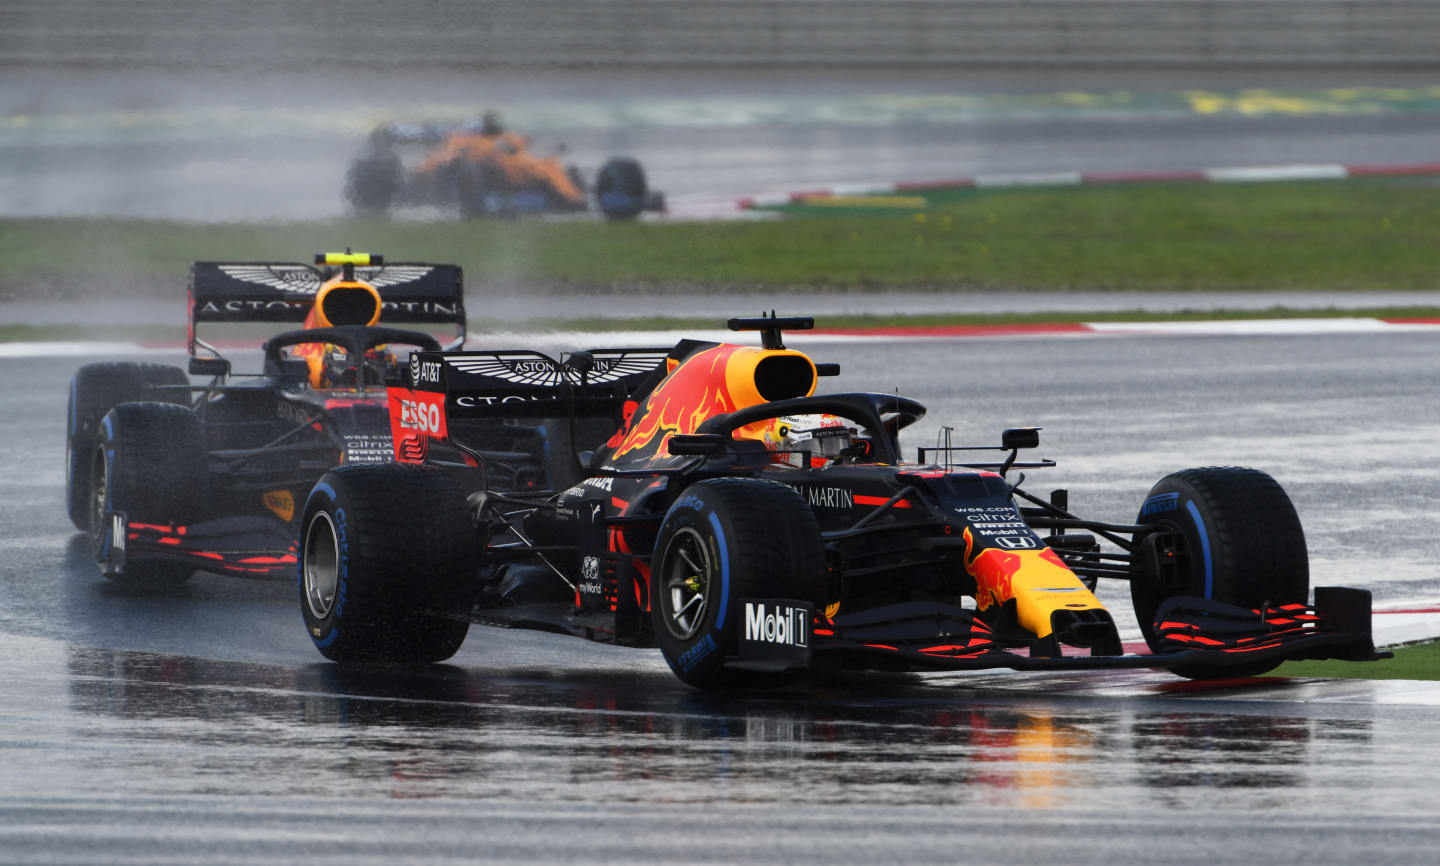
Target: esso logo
{"x":424,"y":417}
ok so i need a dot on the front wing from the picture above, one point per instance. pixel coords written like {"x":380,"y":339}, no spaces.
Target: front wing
{"x":246,"y":546}
{"x":927,"y":636}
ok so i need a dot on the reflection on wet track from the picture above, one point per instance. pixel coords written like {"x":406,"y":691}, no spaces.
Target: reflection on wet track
{"x":227,"y":744}
{"x":452,"y":732}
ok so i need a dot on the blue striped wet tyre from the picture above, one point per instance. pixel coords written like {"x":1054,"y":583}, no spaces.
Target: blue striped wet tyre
{"x":385,"y":550}
{"x":1236,"y":539}
{"x":150,"y":463}
{"x":721,"y":540}
{"x":94,"y":390}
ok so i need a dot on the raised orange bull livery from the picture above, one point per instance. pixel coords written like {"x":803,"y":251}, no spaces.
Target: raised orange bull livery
{"x":712,"y":382}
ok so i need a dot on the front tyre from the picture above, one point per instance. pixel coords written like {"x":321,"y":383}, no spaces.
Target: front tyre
{"x":373,"y":182}
{"x":151,"y":465}
{"x":620,"y":188}
{"x":722,"y":540}
{"x":94,"y":390}
{"x":383,"y":548}
{"x":1224,"y":533}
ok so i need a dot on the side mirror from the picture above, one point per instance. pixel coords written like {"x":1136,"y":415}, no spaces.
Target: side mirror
{"x":1020,"y":437}
{"x":696,"y":444}
{"x":291,"y":371}
{"x":209,"y":367}
{"x":827,"y":369}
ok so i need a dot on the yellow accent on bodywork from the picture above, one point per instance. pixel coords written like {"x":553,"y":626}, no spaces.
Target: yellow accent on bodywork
{"x":281,"y":502}
{"x":342,"y":286}
{"x":358,"y":259}
{"x":743,"y":368}
{"x":1037,"y":580}
{"x":1040,"y":589}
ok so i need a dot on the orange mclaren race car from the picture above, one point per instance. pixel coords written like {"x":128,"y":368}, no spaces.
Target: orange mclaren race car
{"x":170,"y":477}
{"x":746,"y":526}
{"x":486,"y":170}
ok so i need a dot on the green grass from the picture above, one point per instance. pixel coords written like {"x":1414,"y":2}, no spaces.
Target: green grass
{"x":1415,"y":662}
{"x":1306,"y":236}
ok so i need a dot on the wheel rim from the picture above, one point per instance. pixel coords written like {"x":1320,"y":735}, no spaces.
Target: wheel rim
{"x":322,"y":560}
{"x":688,"y":576}
{"x":99,"y":484}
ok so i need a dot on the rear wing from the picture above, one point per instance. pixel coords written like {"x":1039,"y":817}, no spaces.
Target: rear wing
{"x":410,"y":292}
{"x":440,"y":387}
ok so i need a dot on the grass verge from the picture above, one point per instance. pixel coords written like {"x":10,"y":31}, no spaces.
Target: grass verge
{"x":1352,"y":235}
{"x":1414,"y":662}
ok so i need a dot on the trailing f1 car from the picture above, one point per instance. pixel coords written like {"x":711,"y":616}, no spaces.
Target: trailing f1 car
{"x":487,"y":171}
{"x":170,"y":477}
{"x":746,"y":526}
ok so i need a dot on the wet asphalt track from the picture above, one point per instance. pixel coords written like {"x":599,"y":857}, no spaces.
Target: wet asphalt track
{"x":202,"y":728}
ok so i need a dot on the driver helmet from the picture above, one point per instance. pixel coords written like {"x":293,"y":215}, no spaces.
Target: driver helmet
{"x":804,"y":441}
{"x":490,"y":124}
{"x":340,"y":370}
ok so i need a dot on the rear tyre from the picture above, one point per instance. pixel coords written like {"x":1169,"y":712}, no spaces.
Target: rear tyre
{"x":94,"y":390}
{"x":620,"y":188}
{"x":724,"y":539}
{"x":150,"y":464}
{"x":482,"y":189}
{"x":1226,"y":533}
{"x":373,"y":182}
{"x":382,"y":547}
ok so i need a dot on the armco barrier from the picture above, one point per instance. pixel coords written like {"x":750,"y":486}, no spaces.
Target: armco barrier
{"x":465,"y":33}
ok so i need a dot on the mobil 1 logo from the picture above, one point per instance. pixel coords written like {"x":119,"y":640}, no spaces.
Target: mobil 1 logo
{"x":775,"y":632}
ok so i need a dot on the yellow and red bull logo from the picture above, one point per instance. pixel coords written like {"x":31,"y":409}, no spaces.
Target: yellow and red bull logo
{"x":1036,"y":580}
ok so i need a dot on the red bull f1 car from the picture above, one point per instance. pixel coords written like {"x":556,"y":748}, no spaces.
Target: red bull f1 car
{"x":748,"y":526}
{"x":487,"y":171}
{"x":170,"y":477}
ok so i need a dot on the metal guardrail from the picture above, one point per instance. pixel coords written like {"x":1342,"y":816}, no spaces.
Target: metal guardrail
{"x":464,"y":33}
